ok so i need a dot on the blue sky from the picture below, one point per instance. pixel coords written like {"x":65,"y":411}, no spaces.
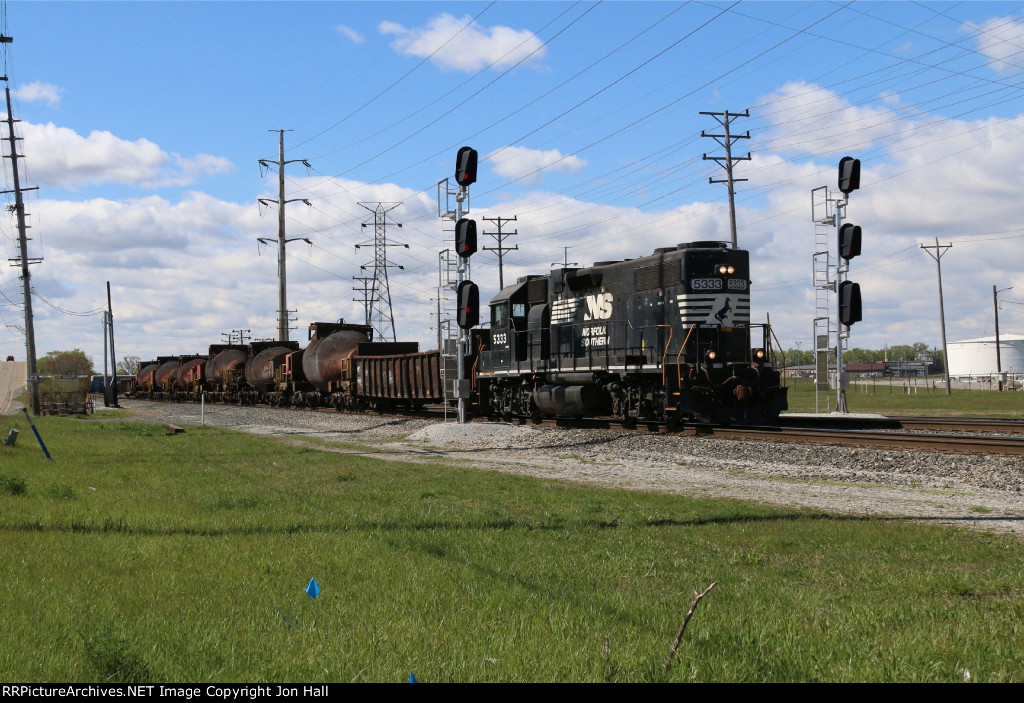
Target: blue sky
{"x":143,"y":124}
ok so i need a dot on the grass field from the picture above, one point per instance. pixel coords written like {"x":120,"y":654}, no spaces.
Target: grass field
{"x":139,"y":556}
{"x":888,"y":397}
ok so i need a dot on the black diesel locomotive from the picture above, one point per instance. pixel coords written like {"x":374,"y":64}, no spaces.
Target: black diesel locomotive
{"x":662,"y":337}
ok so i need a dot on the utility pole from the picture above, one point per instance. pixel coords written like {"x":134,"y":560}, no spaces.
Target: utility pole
{"x":282,"y":295}
{"x":113,"y":359}
{"x":499,"y":235}
{"x":23,"y":259}
{"x":367,"y":290}
{"x":381,"y":316}
{"x":565,"y":263}
{"x":941,"y":249}
{"x":726,"y":140}
{"x":999,"y":360}
{"x":242,"y":337}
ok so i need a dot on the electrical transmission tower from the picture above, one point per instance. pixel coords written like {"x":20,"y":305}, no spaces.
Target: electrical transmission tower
{"x":499,"y":235}
{"x":282,"y":295}
{"x":23,"y":259}
{"x":726,"y":140}
{"x":381,"y":316}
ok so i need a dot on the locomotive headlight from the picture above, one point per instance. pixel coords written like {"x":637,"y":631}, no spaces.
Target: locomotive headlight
{"x":711,"y":354}
{"x":725,"y":268}
{"x":759,"y":354}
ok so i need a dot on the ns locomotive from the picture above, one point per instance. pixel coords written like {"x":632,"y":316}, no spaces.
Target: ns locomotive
{"x":662,"y":337}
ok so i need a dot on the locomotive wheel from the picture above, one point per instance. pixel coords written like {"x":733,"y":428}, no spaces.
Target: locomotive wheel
{"x":536,"y":416}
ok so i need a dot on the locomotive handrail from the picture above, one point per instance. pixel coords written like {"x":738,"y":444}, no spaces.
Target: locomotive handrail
{"x":664,"y":354}
{"x":682,"y":349}
{"x":476,"y":360}
{"x":771,"y":331}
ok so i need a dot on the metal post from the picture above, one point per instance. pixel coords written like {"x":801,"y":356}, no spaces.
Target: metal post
{"x":462,"y":273}
{"x":841,"y":270}
{"x":999,"y":361}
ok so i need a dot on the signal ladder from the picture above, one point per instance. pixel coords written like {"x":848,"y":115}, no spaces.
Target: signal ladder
{"x":824,"y":277}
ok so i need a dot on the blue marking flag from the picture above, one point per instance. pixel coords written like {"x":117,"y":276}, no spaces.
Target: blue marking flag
{"x":412,"y":678}
{"x":312,"y":590}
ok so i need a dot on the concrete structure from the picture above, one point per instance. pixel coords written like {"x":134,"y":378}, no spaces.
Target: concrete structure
{"x":976,"y":358}
{"x":13,"y":376}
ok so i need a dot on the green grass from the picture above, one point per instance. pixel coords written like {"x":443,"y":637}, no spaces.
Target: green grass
{"x":885,"y":398}
{"x":139,"y":556}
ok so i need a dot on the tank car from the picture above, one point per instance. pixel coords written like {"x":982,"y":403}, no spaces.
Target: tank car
{"x":661,"y":337}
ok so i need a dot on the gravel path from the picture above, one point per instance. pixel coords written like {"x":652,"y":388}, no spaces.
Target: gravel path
{"x":980,"y":491}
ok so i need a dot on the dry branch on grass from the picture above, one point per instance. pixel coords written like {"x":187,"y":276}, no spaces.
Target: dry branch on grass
{"x":686,"y":620}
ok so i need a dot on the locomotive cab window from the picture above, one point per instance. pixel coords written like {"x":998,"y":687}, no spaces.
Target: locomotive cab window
{"x":518,"y":309}
{"x":499,"y":315}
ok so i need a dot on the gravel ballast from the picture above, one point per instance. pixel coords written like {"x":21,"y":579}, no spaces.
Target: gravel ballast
{"x":973,"y":490}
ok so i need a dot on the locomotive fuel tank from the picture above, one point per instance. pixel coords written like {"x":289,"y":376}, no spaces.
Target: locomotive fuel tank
{"x":331,"y":346}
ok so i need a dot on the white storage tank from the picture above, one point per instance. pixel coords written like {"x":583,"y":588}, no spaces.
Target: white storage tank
{"x":977,"y":357}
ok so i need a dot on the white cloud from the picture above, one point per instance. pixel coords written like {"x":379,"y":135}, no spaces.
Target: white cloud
{"x":350,"y":34}
{"x":37,"y":91}
{"x":1000,"y":40}
{"x":474,"y":48}
{"x":63,"y":158}
{"x":812,"y":120}
{"x":525,"y":165}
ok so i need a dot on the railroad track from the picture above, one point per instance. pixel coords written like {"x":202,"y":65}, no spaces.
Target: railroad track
{"x":829,"y":433}
{"x":959,"y":443}
{"x":916,"y":433}
{"x":922,"y":424}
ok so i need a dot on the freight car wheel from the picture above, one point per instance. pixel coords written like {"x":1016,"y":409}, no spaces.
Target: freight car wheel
{"x":536,"y":416}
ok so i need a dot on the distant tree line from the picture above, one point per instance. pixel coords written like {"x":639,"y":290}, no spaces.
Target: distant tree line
{"x":898,"y":352}
{"x":77,"y":363}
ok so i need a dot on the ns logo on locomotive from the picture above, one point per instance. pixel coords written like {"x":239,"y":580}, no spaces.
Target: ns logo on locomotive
{"x":662,"y":337}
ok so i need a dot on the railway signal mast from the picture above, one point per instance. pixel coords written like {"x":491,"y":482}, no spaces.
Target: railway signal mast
{"x":831,"y":278}
{"x":467,"y":294}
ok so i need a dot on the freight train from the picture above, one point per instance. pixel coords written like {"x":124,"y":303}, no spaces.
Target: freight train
{"x":663,"y":337}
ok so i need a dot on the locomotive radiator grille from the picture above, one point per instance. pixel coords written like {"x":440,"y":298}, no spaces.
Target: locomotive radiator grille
{"x":659,"y":276}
